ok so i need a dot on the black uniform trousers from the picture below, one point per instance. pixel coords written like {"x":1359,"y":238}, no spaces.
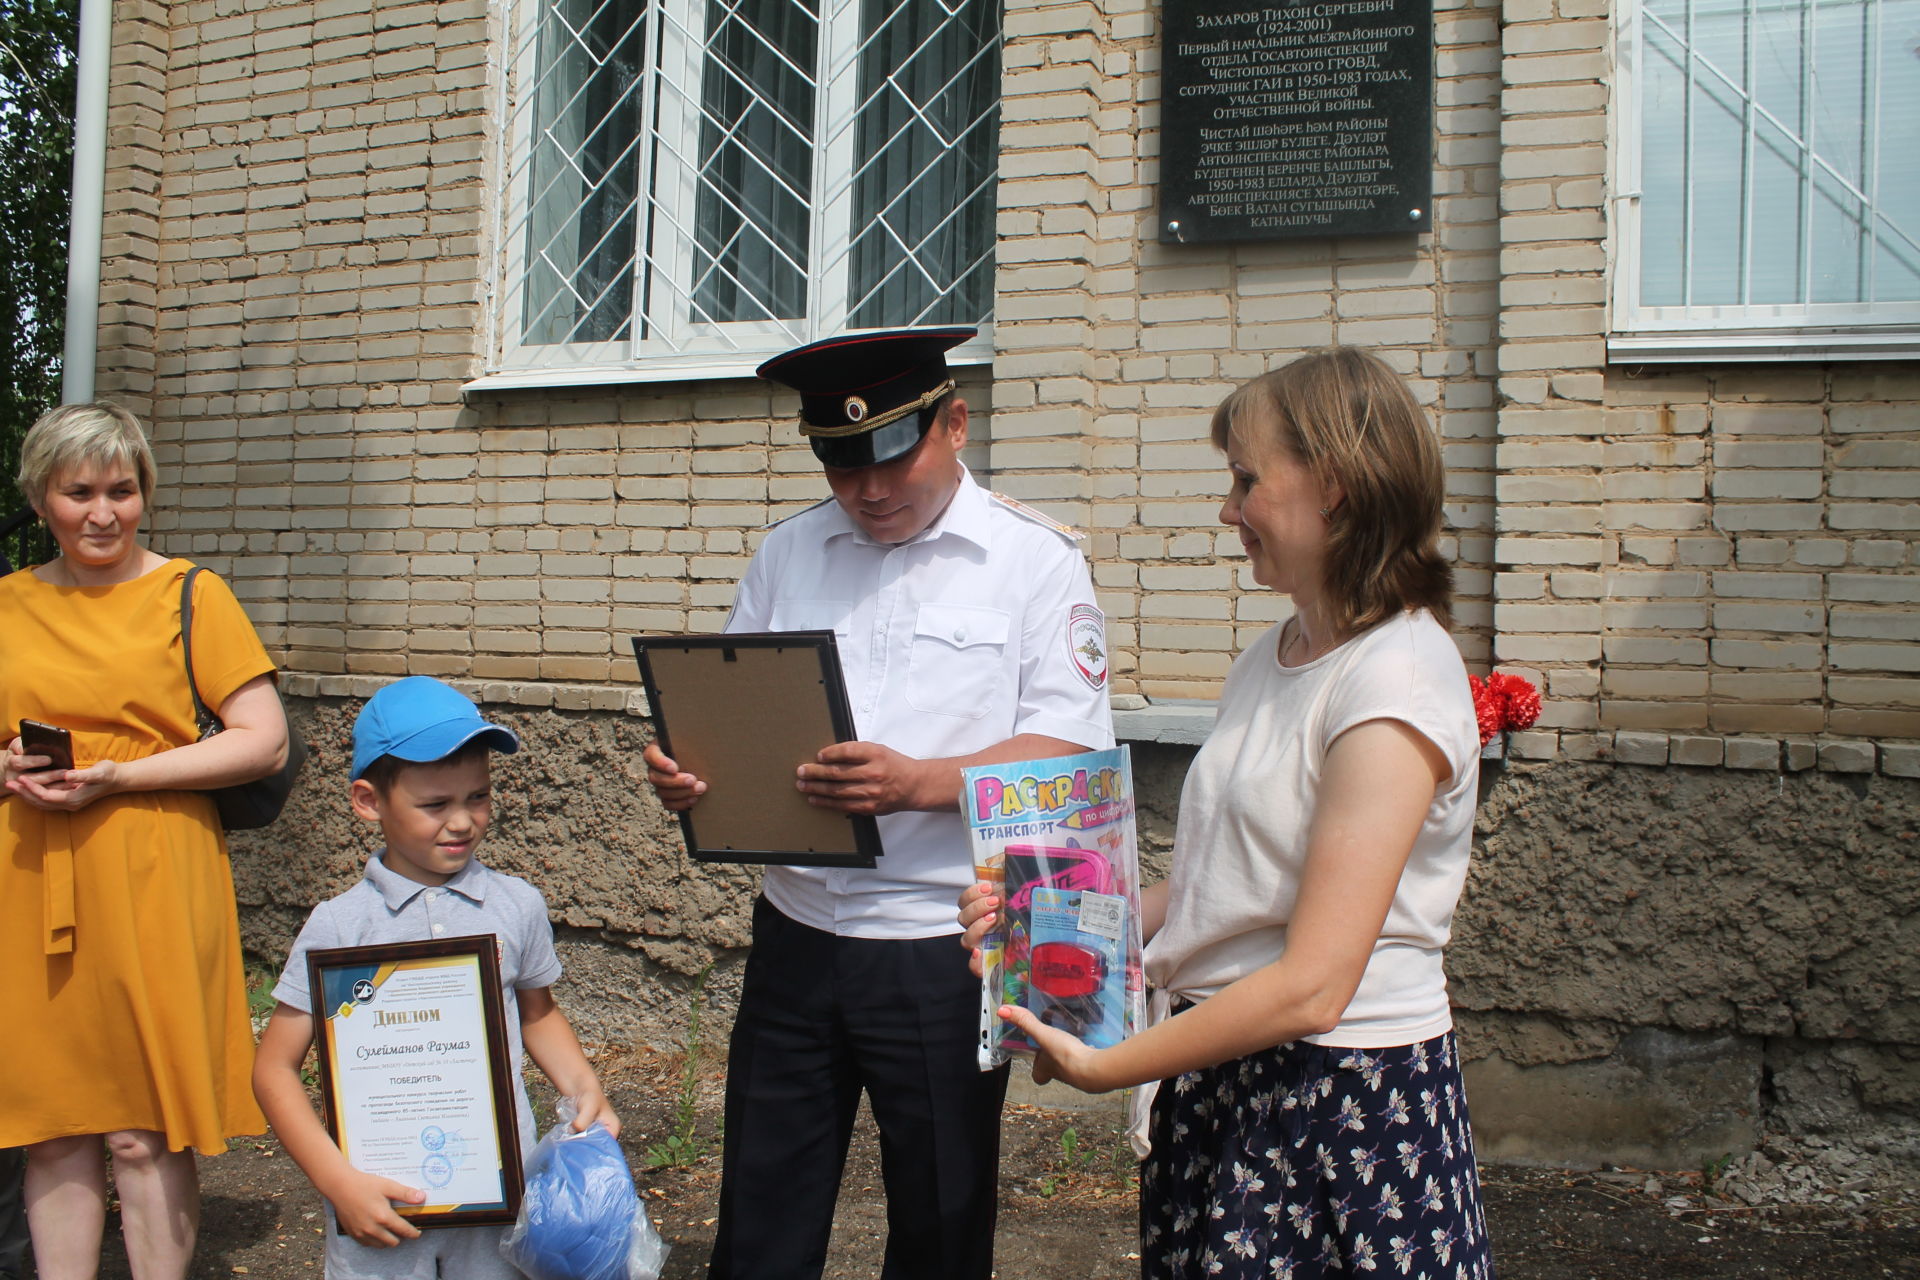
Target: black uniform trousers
{"x":823,"y":1018}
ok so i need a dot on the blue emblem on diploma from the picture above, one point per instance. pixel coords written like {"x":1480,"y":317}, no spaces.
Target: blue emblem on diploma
{"x":433,"y":1137}
{"x":436,"y":1171}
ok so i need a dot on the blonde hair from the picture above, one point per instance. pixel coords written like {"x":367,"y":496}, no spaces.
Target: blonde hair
{"x":81,"y":435}
{"x":1349,"y":419}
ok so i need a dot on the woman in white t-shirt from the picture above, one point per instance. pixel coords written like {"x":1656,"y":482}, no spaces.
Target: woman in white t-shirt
{"x":1311,"y":1118}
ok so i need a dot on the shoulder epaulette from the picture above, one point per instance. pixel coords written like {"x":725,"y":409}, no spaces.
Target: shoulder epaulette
{"x":797,"y":514}
{"x":1041,"y":518}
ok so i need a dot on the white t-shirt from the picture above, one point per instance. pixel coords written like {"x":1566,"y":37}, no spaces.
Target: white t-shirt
{"x":981,"y":628}
{"x":1240,"y":846}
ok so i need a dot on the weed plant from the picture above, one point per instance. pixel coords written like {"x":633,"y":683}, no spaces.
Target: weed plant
{"x":683,"y":1146}
{"x":1081,"y":1162}
{"x":260,"y":982}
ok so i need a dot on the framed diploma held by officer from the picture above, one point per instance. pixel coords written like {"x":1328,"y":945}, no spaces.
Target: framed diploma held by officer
{"x":743,"y":711}
{"x":415,"y":1073}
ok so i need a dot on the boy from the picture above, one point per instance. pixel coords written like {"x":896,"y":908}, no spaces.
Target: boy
{"x":421,"y":770}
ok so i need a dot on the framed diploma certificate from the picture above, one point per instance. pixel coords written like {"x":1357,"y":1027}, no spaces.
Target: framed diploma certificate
{"x":741,"y":712}
{"x":412,"y":1042}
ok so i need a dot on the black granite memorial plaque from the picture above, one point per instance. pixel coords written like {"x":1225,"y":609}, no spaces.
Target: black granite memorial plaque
{"x":1299,"y":119}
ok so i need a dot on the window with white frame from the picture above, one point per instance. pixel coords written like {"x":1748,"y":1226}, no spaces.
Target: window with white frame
{"x":1767,"y":194}
{"x":693,"y":185}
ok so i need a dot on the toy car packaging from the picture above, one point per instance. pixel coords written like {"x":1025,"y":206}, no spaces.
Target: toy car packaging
{"x":1056,"y":837}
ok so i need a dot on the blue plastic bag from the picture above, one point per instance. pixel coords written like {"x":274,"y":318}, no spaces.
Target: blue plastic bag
{"x":580,"y":1218}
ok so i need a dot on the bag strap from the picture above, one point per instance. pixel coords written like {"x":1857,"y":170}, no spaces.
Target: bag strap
{"x":203,"y":715}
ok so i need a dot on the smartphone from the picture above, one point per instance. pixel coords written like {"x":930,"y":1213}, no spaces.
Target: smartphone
{"x":38,"y":739}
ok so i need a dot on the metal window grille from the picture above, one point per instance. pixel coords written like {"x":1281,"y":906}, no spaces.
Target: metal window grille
{"x":691,"y":185}
{"x":1768,"y":178}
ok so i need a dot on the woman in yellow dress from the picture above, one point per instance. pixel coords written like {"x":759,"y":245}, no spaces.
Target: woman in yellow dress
{"x":121,"y":989}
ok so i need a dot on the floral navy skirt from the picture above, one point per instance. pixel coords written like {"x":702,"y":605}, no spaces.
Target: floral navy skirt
{"x":1303,"y":1160}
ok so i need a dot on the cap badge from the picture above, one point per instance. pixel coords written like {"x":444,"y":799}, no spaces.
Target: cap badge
{"x":856,"y":408}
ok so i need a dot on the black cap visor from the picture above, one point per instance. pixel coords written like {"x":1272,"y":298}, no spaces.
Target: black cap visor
{"x":882,"y":444}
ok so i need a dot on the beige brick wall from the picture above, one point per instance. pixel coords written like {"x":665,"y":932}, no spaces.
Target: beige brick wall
{"x":1694,"y":564}
{"x":1747,"y":583}
{"x":1707,"y":562}
{"x":130,"y":227}
{"x":315,"y":212}
{"x":1102,"y":329}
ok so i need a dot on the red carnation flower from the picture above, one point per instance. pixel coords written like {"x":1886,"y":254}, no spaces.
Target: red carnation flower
{"x":1486,"y":709}
{"x":1520,"y":701}
{"x":1502,"y":702}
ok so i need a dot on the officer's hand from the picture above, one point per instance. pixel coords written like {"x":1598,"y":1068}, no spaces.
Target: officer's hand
{"x":863,"y":777}
{"x":677,"y":790}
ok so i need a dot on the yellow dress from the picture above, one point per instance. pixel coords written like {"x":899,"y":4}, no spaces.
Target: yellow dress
{"x":122,"y":996}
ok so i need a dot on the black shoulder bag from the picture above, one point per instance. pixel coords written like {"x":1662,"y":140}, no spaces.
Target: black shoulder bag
{"x":244,"y":805}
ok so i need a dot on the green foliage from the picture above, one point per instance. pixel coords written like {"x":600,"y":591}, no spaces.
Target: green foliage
{"x":683,"y":1146}
{"x":1073,"y":1159}
{"x":1081,"y":1162}
{"x":261,"y":979}
{"x":38,"y":40}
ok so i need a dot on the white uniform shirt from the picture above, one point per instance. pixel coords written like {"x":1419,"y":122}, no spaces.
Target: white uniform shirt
{"x":950,"y":642}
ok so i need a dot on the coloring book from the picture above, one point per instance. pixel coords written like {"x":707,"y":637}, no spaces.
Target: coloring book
{"x":1057,"y":840}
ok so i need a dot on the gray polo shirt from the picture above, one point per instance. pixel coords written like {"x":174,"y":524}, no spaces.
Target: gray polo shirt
{"x":388,"y":907}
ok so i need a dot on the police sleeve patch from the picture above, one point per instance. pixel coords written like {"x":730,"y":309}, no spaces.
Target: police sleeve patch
{"x":1087,"y":644}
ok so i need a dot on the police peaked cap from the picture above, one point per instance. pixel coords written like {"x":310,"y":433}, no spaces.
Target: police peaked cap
{"x":867,"y":397}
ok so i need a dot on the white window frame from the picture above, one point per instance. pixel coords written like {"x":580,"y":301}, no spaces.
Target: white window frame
{"x":1643,"y":334}
{"x":674,"y":349}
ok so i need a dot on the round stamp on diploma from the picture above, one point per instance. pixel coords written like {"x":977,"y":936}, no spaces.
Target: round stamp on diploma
{"x":433,"y":1137}
{"x":436,"y":1171}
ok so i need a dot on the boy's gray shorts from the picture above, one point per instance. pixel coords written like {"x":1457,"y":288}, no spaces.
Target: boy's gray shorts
{"x":450,"y":1253}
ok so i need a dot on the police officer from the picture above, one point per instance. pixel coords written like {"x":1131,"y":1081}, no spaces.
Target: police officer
{"x":967,"y":634}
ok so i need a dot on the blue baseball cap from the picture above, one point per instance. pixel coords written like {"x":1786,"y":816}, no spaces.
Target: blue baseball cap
{"x":420,"y":719}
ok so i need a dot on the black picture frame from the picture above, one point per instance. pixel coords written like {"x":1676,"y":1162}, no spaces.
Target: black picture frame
{"x":334,"y":973}
{"x":743,"y":711}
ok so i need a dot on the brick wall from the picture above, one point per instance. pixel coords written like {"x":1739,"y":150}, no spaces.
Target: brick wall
{"x":1104,"y":331}
{"x":300,"y":192}
{"x":1750,"y":565}
{"x":1709,"y":565}
{"x":1697,"y":566}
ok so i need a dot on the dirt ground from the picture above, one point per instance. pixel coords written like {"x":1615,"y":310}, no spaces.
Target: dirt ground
{"x":1067,"y":1206}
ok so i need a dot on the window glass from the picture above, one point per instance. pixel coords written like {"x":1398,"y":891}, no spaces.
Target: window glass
{"x":1774,"y":141}
{"x":580,"y":230}
{"x":923,"y":194}
{"x":756,"y":161}
{"x":701,"y":183}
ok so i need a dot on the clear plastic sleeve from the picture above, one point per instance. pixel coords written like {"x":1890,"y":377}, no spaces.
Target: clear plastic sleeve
{"x":581,"y":1218}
